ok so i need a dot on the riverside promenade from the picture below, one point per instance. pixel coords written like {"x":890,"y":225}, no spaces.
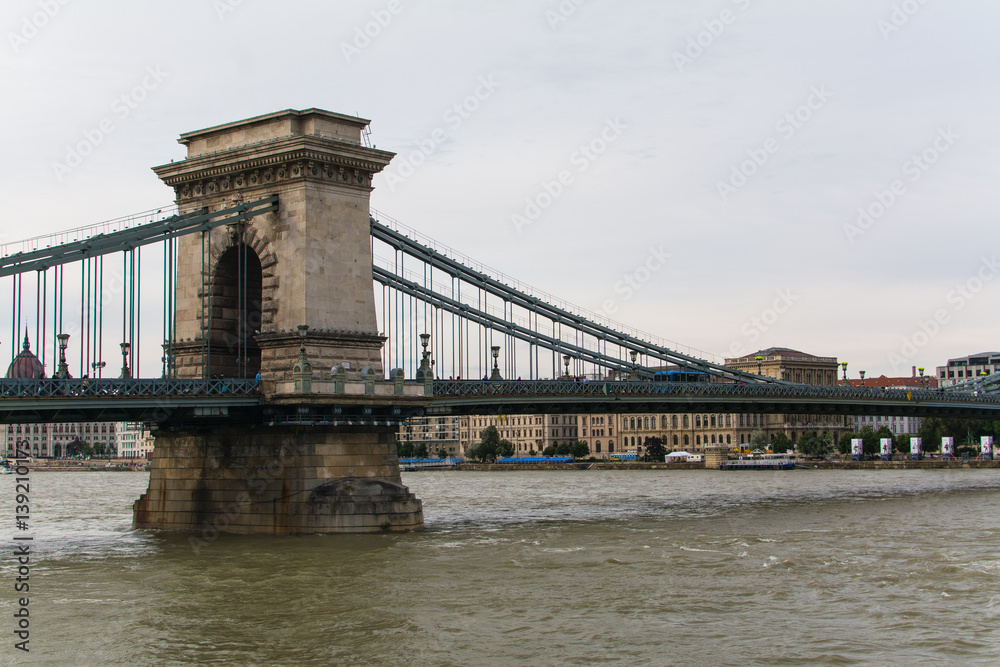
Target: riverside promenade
{"x":801,"y":464}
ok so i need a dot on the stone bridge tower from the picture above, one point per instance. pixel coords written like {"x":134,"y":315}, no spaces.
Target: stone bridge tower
{"x":244,"y":289}
{"x":281,"y":294}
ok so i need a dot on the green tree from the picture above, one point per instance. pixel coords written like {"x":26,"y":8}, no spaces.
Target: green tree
{"x":564,"y":449}
{"x":812,"y":444}
{"x":580,"y":449}
{"x":549,"y":451}
{"x":442,"y":453}
{"x":759,"y":440}
{"x":844,"y":444}
{"x":488,"y":446}
{"x":404,"y":450}
{"x":420,"y":451}
{"x":505,"y":448}
{"x":654,"y":449}
{"x":901,"y":443}
{"x":780,"y":443}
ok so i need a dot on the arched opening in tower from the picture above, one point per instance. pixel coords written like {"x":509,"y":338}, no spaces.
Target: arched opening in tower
{"x":235,"y":314}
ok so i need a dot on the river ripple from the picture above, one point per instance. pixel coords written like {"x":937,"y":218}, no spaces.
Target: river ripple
{"x":537,"y":568}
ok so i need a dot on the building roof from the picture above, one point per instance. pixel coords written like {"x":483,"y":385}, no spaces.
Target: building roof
{"x":26,"y":365}
{"x":777,"y":352}
{"x":963,"y":361}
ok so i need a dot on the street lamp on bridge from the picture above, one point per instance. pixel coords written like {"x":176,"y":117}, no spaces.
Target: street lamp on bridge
{"x":760,"y":360}
{"x":566,"y":359}
{"x":862,"y":378}
{"x":126,"y":373}
{"x":635,"y":369}
{"x":921,"y":369}
{"x":97,"y":367}
{"x":63,"y":371}
{"x":425,"y":369}
{"x":495,"y":375}
{"x":843,"y":364}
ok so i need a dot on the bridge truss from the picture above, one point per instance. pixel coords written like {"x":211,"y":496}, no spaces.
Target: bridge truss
{"x":477,"y":325}
{"x":469,"y":312}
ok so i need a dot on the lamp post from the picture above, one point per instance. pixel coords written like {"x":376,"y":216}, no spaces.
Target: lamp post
{"x":424,"y":370}
{"x":760,"y":360}
{"x":62,"y":371}
{"x":921,"y":369}
{"x":862,"y":378}
{"x":635,"y":369}
{"x":126,"y":373}
{"x":97,"y":367}
{"x":495,"y":375}
{"x":843,"y":364}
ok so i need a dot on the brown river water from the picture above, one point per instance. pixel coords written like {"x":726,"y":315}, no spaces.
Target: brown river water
{"x":799,"y":567}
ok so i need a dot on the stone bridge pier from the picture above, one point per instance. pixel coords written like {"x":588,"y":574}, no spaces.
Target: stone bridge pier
{"x":282,"y":294}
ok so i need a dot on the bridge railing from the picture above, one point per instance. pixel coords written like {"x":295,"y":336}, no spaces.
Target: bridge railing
{"x":455,"y":388}
{"x":63,"y":387}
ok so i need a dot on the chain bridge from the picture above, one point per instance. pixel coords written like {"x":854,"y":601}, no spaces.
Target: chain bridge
{"x":296,"y":328}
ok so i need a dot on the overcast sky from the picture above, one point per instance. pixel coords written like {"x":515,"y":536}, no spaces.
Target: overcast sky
{"x":713,"y":155}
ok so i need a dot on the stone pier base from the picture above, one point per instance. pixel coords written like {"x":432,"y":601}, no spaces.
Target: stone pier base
{"x":277,"y":481}
{"x":715,"y":456}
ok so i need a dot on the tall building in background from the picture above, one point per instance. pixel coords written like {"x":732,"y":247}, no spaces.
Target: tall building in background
{"x":898,"y":424}
{"x":967,"y":368}
{"x":790,"y":365}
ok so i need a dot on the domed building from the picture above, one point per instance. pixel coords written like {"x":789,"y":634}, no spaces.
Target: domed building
{"x":26,"y":365}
